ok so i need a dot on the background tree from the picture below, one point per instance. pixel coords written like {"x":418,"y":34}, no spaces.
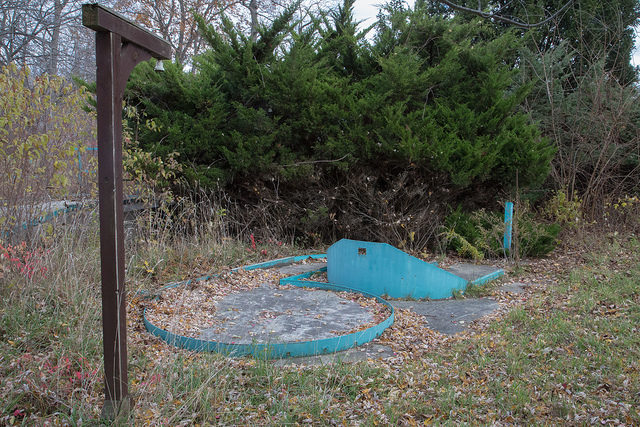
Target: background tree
{"x":23,"y":25}
{"x":47,"y":36}
{"x":592,"y":29}
{"x":174,"y":20}
{"x":43,"y":128}
{"x":256,"y":13}
{"x":578,"y":62}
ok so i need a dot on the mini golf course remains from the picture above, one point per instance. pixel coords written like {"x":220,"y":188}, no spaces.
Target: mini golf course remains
{"x":300,"y":306}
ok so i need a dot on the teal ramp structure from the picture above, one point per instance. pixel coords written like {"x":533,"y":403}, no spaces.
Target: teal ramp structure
{"x":381,"y":269}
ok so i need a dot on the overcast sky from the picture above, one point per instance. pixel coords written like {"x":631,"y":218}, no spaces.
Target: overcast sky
{"x":366,"y":10}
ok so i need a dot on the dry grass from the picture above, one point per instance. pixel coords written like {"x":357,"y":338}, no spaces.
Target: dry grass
{"x":566,"y":352}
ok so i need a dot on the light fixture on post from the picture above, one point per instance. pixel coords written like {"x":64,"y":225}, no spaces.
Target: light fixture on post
{"x":120,"y":45}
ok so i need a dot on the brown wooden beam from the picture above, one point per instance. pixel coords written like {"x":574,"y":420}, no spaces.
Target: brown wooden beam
{"x":99,"y":18}
{"x":120,"y":45}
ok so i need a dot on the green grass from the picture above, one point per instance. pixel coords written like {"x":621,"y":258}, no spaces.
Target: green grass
{"x":570,"y":354}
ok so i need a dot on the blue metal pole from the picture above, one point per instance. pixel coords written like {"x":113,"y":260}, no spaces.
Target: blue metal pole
{"x":508,"y":225}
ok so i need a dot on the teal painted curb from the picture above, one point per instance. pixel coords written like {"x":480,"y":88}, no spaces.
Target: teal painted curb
{"x":281,"y":261}
{"x":42,"y":219}
{"x":297,"y":279}
{"x":489,"y":277}
{"x":278,"y":350}
{"x":266,"y":264}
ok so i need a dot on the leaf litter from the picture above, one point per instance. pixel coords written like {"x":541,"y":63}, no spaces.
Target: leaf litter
{"x":189,"y":309}
{"x":433,"y":377}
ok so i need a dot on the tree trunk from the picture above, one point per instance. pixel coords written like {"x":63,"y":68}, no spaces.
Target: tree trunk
{"x":253,"y":9}
{"x":54,"y":46}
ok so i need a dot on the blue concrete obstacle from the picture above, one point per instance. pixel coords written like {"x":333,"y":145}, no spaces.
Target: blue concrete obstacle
{"x":381,"y":269}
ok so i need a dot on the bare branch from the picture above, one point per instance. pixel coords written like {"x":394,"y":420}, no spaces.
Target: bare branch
{"x":511,"y":21}
{"x":312,"y":162}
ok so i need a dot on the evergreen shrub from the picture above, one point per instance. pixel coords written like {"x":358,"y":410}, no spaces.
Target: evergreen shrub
{"x":253,"y":108}
{"x":434,"y":98}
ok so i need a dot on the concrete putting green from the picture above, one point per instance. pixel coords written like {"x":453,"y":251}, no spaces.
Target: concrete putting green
{"x":311,"y":318}
{"x":266,"y":319}
{"x":271,"y":315}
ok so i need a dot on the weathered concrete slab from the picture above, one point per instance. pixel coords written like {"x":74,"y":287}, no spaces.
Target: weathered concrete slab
{"x":472,"y":272}
{"x":270,"y":315}
{"x":294,"y":269}
{"x":450,"y":316}
{"x":514,"y":288}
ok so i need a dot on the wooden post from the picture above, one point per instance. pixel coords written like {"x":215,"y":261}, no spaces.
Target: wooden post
{"x":120,"y":46}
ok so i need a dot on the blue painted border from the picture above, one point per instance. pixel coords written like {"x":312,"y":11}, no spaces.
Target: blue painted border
{"x":266,"y":264}
{"x":72,"y":207}
{"x":51,"y":215}
{"x":297,"y":279}
{"x":278,"y":350}
{"x":488,"y":277}
{"x":42,"y":219}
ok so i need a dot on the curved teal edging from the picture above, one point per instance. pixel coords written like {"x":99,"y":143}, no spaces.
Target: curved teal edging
{"x":278,"y":350}
{"x":51,"y":215}
{"x":297,"y":279}
{"x":266,"y":264}
{"x":280,"y":261}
